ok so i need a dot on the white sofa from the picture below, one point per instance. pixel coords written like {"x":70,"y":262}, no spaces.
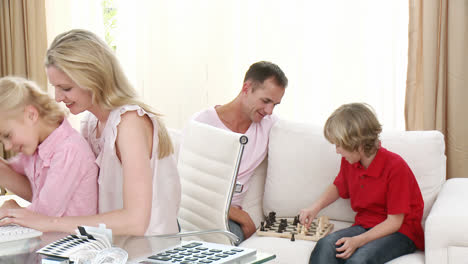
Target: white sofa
{"x":301,"y":163}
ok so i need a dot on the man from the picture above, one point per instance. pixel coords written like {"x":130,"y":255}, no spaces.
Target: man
{"x":250,"y":113}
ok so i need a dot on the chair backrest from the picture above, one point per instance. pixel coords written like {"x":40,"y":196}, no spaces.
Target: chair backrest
{"x":208,"y":164}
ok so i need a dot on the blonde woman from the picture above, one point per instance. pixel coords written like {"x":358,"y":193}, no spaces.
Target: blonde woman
{"x":34,"y":125}
{"x":139,"y":187}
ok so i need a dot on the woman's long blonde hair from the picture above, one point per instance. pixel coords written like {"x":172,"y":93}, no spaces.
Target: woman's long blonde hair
{"x":16,"y":93}
{"x":90,"y":63}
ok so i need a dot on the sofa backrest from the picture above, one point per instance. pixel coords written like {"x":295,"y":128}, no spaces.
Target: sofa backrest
{"x":302,"y":163}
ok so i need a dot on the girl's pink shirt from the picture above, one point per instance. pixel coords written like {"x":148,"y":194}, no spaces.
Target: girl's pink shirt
{"x":63,"y":174}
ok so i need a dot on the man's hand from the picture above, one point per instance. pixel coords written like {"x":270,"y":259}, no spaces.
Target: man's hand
{"x":243,"y":218}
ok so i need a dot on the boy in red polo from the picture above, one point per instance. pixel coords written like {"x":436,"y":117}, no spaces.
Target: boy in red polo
{"x":381,"y":187}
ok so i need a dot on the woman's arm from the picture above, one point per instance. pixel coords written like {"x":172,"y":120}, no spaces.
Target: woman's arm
{"x":134,"y":146}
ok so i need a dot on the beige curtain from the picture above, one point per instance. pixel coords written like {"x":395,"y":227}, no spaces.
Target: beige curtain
{"x":23,"y":40}
{"x":436,"y":95}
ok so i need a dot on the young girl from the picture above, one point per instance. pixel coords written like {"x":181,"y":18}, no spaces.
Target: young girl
{"x":55,"y":167}
{"x":139,"y":187}
{"x":381,"y":187}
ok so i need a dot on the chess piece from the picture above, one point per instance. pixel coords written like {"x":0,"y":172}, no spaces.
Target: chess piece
{"x":262,"y":226}
{"x":280,"y":229}
{"x":321,"y":224}
{"x":292,"y":237}
{"x":296,"y":220}
{"x":284,"y":222}
{"x":272,"y":217}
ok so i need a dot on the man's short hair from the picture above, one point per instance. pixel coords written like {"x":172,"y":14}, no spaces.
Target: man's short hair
{"x":352,"y":126}
{"x":262,"y":70}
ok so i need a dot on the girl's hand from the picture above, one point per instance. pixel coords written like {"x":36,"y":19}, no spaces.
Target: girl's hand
{"x":27,"y":218}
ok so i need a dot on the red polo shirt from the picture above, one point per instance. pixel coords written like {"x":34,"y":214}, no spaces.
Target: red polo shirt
{"x":387,"y":186}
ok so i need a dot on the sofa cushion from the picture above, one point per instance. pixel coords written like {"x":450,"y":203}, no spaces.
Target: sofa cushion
{"x":424,"y":151}
{"x":302,"y":163}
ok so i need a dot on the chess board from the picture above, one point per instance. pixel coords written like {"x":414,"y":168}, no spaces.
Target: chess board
{"x":292,"y":229}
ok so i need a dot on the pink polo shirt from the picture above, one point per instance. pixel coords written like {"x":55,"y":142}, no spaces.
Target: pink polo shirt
{"x":255,"y":150}
{"x":62,"y":173}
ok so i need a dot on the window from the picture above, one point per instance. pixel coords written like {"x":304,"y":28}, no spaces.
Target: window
{"x":109,"y":12}
{"x":183,"y":56}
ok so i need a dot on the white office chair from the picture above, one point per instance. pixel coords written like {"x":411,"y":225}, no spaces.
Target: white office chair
{"x":209,"y":161}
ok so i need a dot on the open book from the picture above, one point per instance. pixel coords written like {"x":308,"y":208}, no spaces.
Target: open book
{"x":86,"y":238}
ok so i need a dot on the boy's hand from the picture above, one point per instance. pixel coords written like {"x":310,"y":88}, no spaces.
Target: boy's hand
{"x":346,"y":246}
{"x":307,"y":215}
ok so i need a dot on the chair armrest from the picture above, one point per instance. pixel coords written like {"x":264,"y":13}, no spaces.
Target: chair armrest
{"x":447,"y":222}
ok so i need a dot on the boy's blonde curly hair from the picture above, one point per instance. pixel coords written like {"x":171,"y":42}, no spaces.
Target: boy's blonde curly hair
{"x":352,"y":126}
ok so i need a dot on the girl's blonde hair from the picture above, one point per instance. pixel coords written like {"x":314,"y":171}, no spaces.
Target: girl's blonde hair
{"x":92,"y":65}
{"x":352,"y":126}
{"x":16,"y":93}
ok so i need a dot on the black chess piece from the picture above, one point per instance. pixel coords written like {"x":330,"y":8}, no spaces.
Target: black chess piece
{"x":296,"y":220}
{"x":272,"y":217}
{"x":284,"y":222}
{"x":292,"y":237}
{"x":281,"y":228}
{"x":262,"y":226}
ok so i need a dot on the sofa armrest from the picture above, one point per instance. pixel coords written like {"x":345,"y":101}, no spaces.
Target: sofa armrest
{"x":447,"y":223}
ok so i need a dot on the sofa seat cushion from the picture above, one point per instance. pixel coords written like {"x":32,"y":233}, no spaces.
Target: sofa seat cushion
{"x":415,"y":258}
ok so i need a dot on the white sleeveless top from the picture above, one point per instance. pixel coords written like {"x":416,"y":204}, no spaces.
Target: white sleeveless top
{"x":166,"y":181}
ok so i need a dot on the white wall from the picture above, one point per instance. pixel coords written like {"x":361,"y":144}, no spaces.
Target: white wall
{"x":184,"y":56}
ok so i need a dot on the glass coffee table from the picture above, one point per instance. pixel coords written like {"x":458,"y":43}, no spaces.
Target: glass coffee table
{"x":138,"y":248}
